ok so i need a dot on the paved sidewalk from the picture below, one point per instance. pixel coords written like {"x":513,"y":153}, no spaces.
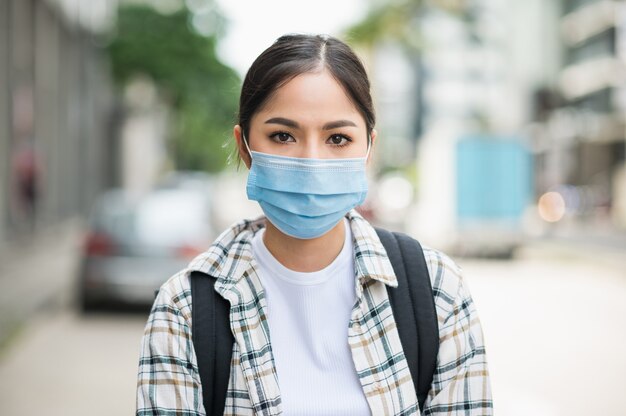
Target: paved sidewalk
{"x":37,"y":276}
{"x":600,"y":251}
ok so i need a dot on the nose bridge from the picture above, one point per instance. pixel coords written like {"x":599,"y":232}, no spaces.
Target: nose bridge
{"x":311,"y":146}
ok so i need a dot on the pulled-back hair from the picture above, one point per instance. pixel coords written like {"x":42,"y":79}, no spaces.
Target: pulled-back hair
{"x":292,"y":55}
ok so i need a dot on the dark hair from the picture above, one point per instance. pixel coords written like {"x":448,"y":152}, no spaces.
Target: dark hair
{"x":292,"y":55}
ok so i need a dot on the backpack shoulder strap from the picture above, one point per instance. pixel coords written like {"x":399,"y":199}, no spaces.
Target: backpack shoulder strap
{"x":413,"y":309}
{"x":212,"y":341}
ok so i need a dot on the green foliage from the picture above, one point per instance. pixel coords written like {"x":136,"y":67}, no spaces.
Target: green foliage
{"x":201,"y":91}
{"x":386,"y":21}
{"x":399,"y":21}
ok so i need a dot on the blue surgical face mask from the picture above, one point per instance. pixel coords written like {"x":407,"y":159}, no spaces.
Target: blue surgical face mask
{"x":303,"y":197}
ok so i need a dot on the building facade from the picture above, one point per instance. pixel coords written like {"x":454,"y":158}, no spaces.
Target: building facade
{"x":57,"y":129}
{"x":581,"y":141}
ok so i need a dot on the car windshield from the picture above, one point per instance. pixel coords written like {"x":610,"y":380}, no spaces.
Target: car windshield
{"x":163,"y":219}
{"x":172,"y":218}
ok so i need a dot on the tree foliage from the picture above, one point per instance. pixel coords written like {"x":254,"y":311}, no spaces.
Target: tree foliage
{"x":389,"y":20}
{"x":399,"y":21}
{"x":201,"y":90}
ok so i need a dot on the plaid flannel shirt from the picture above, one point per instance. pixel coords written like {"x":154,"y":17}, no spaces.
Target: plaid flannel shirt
{"x":169,"y":382}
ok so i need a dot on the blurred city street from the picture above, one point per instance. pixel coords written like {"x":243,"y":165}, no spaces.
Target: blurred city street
{"x":52,"y":356}
{"x":554,"y":334}
{"x":500,"y":139}
{"x":553,"y":321}
{"x":72,"y":365}
{"x":37,"y":275}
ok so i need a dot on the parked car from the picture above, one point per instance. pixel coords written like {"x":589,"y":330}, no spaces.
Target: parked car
{"x":133,"y":245}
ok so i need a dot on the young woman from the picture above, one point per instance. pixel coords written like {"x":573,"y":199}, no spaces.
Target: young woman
{"x":309,"y":311}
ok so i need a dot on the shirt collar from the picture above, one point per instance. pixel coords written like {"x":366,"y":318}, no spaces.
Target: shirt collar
{"x":370,"y":257}
{"x":228,"y":259}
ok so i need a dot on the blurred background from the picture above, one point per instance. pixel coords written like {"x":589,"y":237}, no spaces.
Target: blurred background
{"x":502,"y":141}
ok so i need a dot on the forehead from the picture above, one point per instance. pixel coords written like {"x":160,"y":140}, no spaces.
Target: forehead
{"x":312,"y":95}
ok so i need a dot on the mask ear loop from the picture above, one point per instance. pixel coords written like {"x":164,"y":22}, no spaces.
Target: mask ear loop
{"x":245,"y":141}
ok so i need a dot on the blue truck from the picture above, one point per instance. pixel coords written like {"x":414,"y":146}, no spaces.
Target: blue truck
{"x":494,"y":187}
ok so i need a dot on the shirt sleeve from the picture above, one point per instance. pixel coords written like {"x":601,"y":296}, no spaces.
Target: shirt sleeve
{"x":461,"y":385}
{"x":168,"y":381}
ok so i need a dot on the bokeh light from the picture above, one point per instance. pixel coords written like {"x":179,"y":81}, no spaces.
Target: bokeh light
{"x":551,"y":206}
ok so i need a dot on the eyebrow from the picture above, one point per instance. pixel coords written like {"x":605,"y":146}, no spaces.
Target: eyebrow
{"x":293,"y":124}
{"x":283,"y":121}
{"x":339,"y":123}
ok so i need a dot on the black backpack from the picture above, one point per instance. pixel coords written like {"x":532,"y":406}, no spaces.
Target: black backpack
{"x":413,"y":309}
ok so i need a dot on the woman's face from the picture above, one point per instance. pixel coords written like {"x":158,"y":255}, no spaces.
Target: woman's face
{"x":311,"y":116}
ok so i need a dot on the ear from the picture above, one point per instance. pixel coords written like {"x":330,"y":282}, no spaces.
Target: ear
{"x":241,"y":147}
{"x":373,"y":136}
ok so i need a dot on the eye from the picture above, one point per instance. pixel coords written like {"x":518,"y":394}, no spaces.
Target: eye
{"x":281,"y":137}
{"x":339,"y":140}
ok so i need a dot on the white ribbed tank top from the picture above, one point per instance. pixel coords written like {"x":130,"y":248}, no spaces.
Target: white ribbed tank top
{"x":308,"y":316}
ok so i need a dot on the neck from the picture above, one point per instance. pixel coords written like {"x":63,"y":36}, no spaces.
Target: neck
{"x":304,"y":255}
